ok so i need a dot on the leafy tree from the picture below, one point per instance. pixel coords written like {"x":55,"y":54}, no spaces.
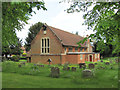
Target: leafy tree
{"x":14,"y":16}
{"x":13,"y":49}
{"x":103,"y":18}
{"x":107,"y":49}
{"x":76,"y":33}
{"x":33,"y":30}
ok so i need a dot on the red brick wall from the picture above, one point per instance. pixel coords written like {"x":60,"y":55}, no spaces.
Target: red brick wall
{"x":55,"y":46}
{"x":43,"y":59}
{"x":72,"y":59}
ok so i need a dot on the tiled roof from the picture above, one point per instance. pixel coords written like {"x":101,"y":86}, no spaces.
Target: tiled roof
{"x":67,"y":39}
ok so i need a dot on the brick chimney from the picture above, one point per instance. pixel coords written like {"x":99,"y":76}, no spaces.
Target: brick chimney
{"x":88,"y":44}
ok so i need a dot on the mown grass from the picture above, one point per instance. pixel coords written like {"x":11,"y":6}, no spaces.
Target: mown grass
{"x":29,"y":77}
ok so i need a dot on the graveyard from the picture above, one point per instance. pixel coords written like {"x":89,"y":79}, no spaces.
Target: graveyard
{"x":101,"y":74}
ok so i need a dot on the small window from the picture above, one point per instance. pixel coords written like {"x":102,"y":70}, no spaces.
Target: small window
{"x":81,"y":57}
{"x":70,"y":49}
{"x":85,"y":49}
{"x":65,"y":49}
{"x":81,"y":49}
{"x":76,"y":49}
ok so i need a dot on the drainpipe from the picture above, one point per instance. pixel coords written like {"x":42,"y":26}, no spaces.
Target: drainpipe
{"x":60,"y":59}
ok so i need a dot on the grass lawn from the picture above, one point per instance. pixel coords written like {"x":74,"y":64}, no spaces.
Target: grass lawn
{"x":25,"y":77}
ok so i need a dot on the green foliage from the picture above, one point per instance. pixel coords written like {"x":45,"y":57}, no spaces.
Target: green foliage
{"x":15,"y":57}
{"x":33,"y":30}
{"x":22,"y":60}
{"x":24,"y":54}
{"x":14,"y":16}
{"x":12,"y":49}
{"x":103,"y":19}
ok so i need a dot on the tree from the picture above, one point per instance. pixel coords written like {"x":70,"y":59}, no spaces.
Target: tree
{"x":14,"y":16}
{"x":76,"y":33}
{"x":13,"y":49}
{"x":103,"y":19}
{"x":33,"y":30}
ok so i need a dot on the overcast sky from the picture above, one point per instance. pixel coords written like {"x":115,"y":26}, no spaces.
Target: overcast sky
{"x":56,"y":16}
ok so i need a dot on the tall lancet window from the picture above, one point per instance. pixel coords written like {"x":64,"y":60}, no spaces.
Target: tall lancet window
{"x":45,"y":45}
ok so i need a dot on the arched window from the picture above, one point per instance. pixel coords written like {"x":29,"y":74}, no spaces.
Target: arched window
{"x":45,"y":45}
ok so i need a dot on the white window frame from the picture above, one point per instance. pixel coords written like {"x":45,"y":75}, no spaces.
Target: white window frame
{"x":89,"y":58}
{"x":43,"y":47}
{"x":98,"y":56}
{"x":81,"y":56}
{"x":88,"y":47}
{"x":76,"y":48}
{"x":81,"y":49}
{"x":65,"y":49}
{"x":95,"y":56}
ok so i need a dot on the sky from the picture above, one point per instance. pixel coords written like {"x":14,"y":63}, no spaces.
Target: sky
{"x":57,"y":17}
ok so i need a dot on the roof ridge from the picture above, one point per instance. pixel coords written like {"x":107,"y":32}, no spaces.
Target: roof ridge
{"x":65,"y":31}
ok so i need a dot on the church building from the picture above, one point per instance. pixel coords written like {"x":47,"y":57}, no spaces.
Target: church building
{"x":61,"y":47}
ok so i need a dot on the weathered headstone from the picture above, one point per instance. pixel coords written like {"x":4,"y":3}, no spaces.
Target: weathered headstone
{"x":55,"y":72}
{"x":82,"y":65}
{"x":87,"y":73}
{"x":19,"y":65}
{"x":68,"y":68}
{"x":91,"y":66}
{"x":101,"y":67}
{"x":111,"y":67}
{"x":95,"y":63}
{"x":117,"y":60}
{"x":111,"y":61}
{"x":107,"y":63}
{"x":22,"y":63}
{"x":73,"y":68}
{"x":40,"y":65}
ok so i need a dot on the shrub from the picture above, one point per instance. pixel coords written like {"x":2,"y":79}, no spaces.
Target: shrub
{"x":24,"y":54}
{"x":15,"y":58}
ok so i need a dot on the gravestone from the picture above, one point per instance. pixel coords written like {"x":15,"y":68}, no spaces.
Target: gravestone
{"x":82,"y":65}
{"x":22,"y":63}
{"x":91,"y":66}
{"x":95,"y":63}
{"x":111,"y":67}
{"x":87,"y":73}
{"x":101,"y":67}
{"x":117,"y":60}
{"x":111,"y":61}
{"x":40,"y":65}
{"x":68,"y":68}
{"x":107,"y":63}
{"x":55,"y":72}
{"x":19,"y":65}
{"x":73,"y":68}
